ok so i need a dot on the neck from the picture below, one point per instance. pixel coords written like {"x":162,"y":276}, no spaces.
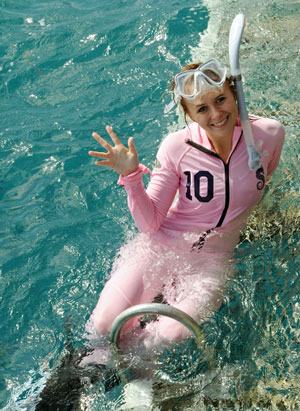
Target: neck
{"x":222,"y":147}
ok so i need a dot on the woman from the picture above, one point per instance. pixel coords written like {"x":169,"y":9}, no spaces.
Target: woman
{"x":184,"y":248}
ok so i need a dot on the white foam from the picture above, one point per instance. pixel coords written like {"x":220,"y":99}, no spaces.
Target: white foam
{"x":210,"y":37}
{"x":137,"y":395}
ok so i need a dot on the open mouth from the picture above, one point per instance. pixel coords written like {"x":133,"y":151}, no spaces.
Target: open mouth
{"x":221,"y":123}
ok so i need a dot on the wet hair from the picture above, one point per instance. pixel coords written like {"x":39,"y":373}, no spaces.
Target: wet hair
{"x":194,"y":66}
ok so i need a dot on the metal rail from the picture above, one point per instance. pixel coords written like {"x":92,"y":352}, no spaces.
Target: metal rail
{"x":154,"y":308}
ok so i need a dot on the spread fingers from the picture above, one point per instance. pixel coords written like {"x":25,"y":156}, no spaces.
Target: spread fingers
{"x":101,"y":140}
{"x":98,"y":154}
{"x":105,"y":163}
{"x":113,"y":135}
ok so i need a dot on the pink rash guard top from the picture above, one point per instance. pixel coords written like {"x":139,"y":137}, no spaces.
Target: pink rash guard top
{"x":211,"y":193}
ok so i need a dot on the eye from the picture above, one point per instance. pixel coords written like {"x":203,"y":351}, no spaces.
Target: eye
{"x":220,"y":99}
{"x":202,"y":109}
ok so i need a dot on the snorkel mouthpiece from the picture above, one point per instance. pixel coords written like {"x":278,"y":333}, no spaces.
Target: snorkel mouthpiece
{"x":235,"y":37}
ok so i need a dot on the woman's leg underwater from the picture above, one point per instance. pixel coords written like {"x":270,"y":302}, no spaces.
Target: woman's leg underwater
{"x":127,"y":286}
{"x":199,"y":295}
{"x":115,"y":298}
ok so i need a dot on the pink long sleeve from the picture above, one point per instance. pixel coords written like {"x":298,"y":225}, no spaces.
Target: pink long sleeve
{"x":277,"y":133}
{"x":272,"y":133}
{"x":150,"y":207}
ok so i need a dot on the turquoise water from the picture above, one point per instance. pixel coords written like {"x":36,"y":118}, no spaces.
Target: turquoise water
{"x":68,"y":69}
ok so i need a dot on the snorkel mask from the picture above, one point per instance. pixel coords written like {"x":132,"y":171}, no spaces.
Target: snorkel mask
{"x":191,"y":84}
{"x":207,"y":77}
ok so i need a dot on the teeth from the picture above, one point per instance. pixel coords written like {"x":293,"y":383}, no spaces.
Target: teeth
{"x":221,"y":122}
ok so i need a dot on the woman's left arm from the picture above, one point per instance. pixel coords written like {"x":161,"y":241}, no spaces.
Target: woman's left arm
{"x":275,"y":140}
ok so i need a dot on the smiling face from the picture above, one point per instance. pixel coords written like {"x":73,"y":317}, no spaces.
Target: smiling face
{"x":216,"y":112}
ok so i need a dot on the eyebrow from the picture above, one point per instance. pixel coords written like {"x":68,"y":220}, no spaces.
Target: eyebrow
{"x":205,"y":104}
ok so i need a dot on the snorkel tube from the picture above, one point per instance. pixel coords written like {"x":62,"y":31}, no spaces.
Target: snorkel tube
{"x":235,"y":36}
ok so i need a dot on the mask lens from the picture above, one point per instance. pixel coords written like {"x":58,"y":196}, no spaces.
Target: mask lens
{"x":212,"y":77}
{"x":186,"y":84}
{"x":214,"y":72}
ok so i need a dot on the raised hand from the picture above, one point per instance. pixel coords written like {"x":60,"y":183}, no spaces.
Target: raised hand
{"x":121,"y":159}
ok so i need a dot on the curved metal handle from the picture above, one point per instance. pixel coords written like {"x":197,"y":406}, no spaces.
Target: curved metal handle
{"x":154,"y":308}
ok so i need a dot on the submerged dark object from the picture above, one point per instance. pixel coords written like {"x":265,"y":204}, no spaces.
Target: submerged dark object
{"x":67,"y":383}
{"x":69,"y":380}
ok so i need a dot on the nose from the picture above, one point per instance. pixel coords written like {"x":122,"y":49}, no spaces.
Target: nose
{"x":215,"y":112}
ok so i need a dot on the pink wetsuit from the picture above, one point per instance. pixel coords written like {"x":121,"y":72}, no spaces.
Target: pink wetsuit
{"x":185,"y":245}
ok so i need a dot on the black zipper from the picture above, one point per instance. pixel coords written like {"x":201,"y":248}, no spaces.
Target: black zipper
{"x":226,"y":168}
{"x":227,"y":192}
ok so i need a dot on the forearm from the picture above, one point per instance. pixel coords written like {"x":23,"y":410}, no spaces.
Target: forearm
{"x":148,"y":208}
